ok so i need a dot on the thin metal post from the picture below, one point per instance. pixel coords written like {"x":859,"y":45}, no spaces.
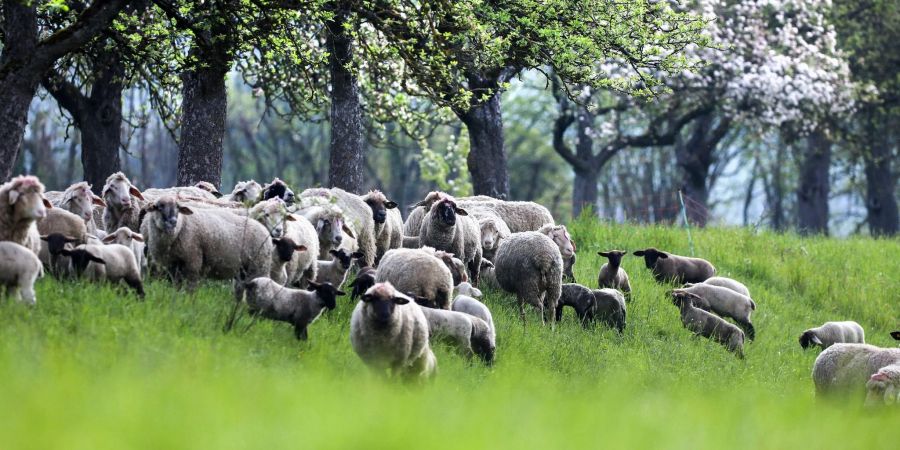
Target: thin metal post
{"x":687,"y":225}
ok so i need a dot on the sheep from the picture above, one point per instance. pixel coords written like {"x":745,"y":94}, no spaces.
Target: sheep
{"x":19,"y":268}
{"x":468,"y":304}
{"x":883,"y":386}
{"x":273,"y":214}
{"x":466,"y":288}
{"x":609,"y":308}
{"x":493,"y":229}
{"x":208,"y":187}
{"x":580,"y":298}
{"x":519,"y":216}
{"x":729,"y":283}
{"x":845,"y":368}
{"x":612,"y":275}
{"x":191,"y":243}
{"x":413,"y":224}
{"x":563,"y":240}
{"x":303,"y":266}
{"x":329,"y":225}
{"x":357,"y":214}
{"x":418,"y":271}
{"x":388,"y":223}
{"x":725,"y":303}
{"x":134,"y":241}
{"x":831,"y":333}
{"x":59,"y":221}
{"x":78,"y":199}
{"x":121,"y":209}
{"x":55,"y":243}
{"x":111,"y":262}
{"x":470,"y":334}
{"x":680,"y":269}
{"x":245,"y":192}
{"x":488,"y":278}
{"x":284,"y":249}
{"x":456,"y":266}
{"x":277,"y":189}
{"x":708,"y":325}
{"x":447,"y":227}
{"x":365,"y":278}
{"x":193,"y":192}
{"x":23,"y":204}
{"x":529,"y":265}
{"x":300,"y":308}
{"x":389,"y":331}
{"x":335,"y":270}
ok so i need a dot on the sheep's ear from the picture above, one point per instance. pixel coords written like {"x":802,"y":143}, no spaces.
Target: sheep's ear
{"x":290,"y":218}
{"x":895,"y":335}
{"x":334,"y":252}
{"x":880,"y":376}
{"x":13,"y":196}
{"x":476,"y":292}
{"x":487,"y":263}
{"x":339,"y":293}
{"x":357,"y":255}
{"x":313,"y":284}
{"x":216,"y":194}
{"x":97,"y":201}
{"x":109,"y":238}
{"x":348,"y":231}
{"x":460,"y":211}
{"x":390,"y":204}
{"x":638,"y":253}
{"x":401,"y":299}
{"x":300,"y":248}
{"x":185,"y":210}
{"x":135,"y":192}
{"x":815,"y":340}
{"x":137,"y":236}
{"x":46,"y":202}
{"x":662,"y":255}
{"x":96,"y":259}
{"x":44,"y":237}
{"x":603,"y":254}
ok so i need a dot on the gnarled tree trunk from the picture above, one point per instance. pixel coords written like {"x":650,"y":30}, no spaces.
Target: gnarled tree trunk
{"x":487,"y":153}
{"x":881,"y":185}
{"x":348,"y":150}
{"x":812,"y":193}
{"x":695,"y":157}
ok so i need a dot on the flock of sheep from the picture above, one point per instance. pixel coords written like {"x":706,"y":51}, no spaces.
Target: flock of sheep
{"x":290,"y":254}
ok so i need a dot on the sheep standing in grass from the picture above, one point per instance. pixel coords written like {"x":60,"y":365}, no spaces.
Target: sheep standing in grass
{"x":134,"y":241}
{"x":62,"y":222}
{"x":579,"y":298}
{"x":298,"y":233}
{"x":845,"y":368}
{"x":365,"y":278}
{"x":883,"y":386}
{"x":23,"y":204}
{"x":283,"y":254}
{"x":357,"y":214}
{"x":113,"y":262}
{"x":389,"y":332}
{"x":55,"y":243}
{"x":447,"y":227}
{"x":388,"y":223}
{"x":563,"y":240}
{"x":725,"y":303}
{"x":466,"y":302}
{"x":680,"y":269}
{"x":831,"y":333}
{"x":612,"y":275}
{"x":529,"y":265}
{"x":299,"y":308}
{"x":493,"y":229}
{"x":19,"y":268}
{"x":471,"y":335}
{"x":609,"y":308}
{"x":245,"y":192}
{"x":417,"y":271}
{"x":123,"y":203}
{"x":335,"y":270}
{"x":708,"y":325}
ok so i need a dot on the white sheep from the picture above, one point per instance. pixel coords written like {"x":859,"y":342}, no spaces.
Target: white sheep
{"x":560,"y":235}
{"x":726,"y":303}
{"x":245,"y":192}
{"x":845,"y":368}
{"x":447,"y":227}
{"x":78,"y":199}
{"x":19,"y":268}
{"x":113,"y":262}
{"x":468,"y":304}
{"x":518,"y":216}
{"x":356,"y":213}
{"x":830,"y":333}
{"x":23,"y":204}
{"x":417,"y":271}
{"x":530,"y":265}
{"x":729,"y":283}
{"x":297,"y":307}
{"x":708,"y":325}
{"x":335,"y":270}
{"x":389,"y":332}
{"x":135,"y":241}
{"x":123,"y":203}
{"x":470,"y":334}
{"x":388,"y":223}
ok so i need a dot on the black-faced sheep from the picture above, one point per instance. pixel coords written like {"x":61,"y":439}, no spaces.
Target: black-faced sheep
{"x":447,"y":227}
{"x":365,"y":278}
{"x":277,"y":189}
{"x":389,"y":332}
{"x":529,"y":265}
{"x":846,"y":368}
{"x":55,"y":243}
{"x":612,"y":275}
{"x":19,"y":268}
{"x":667,"y":267}
{"x":388,"y":223}
{"x":59,"y":221}
{"x":725,"y":303}
{"x":831,"y":333}
{"x":335,"y":270}
{"x":609,"y":308}
{"x":418,"y":271}
{"x":113,"y":262}
{"x":579,"y":298}
{"x":23,"y":204}
{"x":123,"y":203}
{"x":708,"y":325}
{"x":283,"y":253}
{"x":299,"y":308}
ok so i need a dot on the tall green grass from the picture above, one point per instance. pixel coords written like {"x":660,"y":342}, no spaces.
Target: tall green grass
{"x":91,"y":367}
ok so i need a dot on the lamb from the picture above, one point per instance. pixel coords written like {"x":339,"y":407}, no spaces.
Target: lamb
{"x":297,"y":307}
{"x":884,"y":386}
{"x":846,"y":368}
{"x":418,"y":271}
{"x":273,"y":214}
{"x":357,"y":214}
{"x":123,"y":203}
{"x":729,"y":283}
{"x":725,"y":303}
{"x":284,"y":249}
{"x":563,"y":240}
{"x":680,"y":269}
{"x":23,"y":204}
{"x":78,"y":199}
{"x":580,"y":298}
{"x":466,"y":303}
{"x":335,"y":271}
{"x":447,"y":227}
{"x":529,"y":265}
{"x":365,"y":278}
{"x":389,"y":332}
{"x":612,"y":275}
{"x":708,"y":325}
{"x":465,"y":288}
{"x":277,"y":189}
{"x":111,"y":262}
{"x":471,"y":334}
{"x":134,"y":241}
{"x":19,"y":268}
{"x":217,"y":244}
{"x":59,"y":221}
{"x":55,"y":243}
{"x":388,"y":223}
{"x":831,"y":333}
{"x":609,"y":308}
{"x":245,"y":192}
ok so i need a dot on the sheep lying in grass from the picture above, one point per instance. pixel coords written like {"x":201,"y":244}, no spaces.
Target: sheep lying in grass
{"x":667,"y":267}
{"x":609,"y":308}
{"x":725,"y":303}
{"x":612,"y":275}
{"x":470,"y":334}
{"x":831,"y":333}
{"x":883,"y":386}
{"x":299,"y":308}
{"x":389,"y":332}
{"x":123,"y":203}
{"x":19,"y":268}
{"x":529,"y":265}
{"x":113,"y":262}
{"x":335,"y":270}
{"x":418,"y":271}
{"x":23,"y":204}
{"x":388,"y":223}
{"x":447,"y":227}
{"x":845,"y":368}
{"x":708,"y":325}
{"x":245,"y":192}
{"x":132,"y":240}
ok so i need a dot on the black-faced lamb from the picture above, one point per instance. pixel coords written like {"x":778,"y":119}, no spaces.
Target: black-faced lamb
{"x":725,"y":303}
{"x":123,"y":203}
{"x":55,"y":243}
{"x":277,"y":189}
{"x":23,"y":204}
{"x":667,"y":267}
{"x":418,"y":271}
{"x":612,"y":275}
{"x":389,"y":332}
{"x":283,"y":253}
{"x":335,"y":270}
{"x":19,"y":268}
{"x":831,"y":333}
{"x":530,"y":265}
{"x":59,"y":221}
{"x":388,"y":223}
{"x":470,"y":334}
{"x":297,"y":307}
{"x":365,"y":278}
{"x":579,"y":298}
{"x":113,"y":262}
{"x":609,"y":308}
{"x":708,"y":325}
{"x":447,"y":227}
{"x":844,"y":369}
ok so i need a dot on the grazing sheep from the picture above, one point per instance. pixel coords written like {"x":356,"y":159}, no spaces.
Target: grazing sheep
{"x":388,"y":223}
{"x":365,"y":278}
{"x":883,"y":386}
{"x":23,"y":204}
{"x":580,"y":298}
{"x":609,"y":308}
{"x":284,"y":249}
{"x":389,"y":331}
{"x":299,"y":308}
{"x":55,"y":243}
{"x":190,"y":243}
{"x":465,"y":303}
{"x":418,"y":271}
{"x":277,"y":189}
{"x":729,"y":283}
{"x":612,"y":275}
{"x":111,"y":262}
{"x":123,"y":203}
{"x":78,"y":199}
{"x":470,"y":334}
{"x":560,"y":235}
{"x":680,"y":269}
{"x":134,"y":241}
{"x":529,"y":265}
{"x":19,"y":268}
{"x":245,"y":192}
{"x":725,"y":303}
{"x":708,"y":325}
{"x":519,"y":216}
{"x":845,"y":368}
{"x":335,"y":270}
{"x":447,"y":227}
{"x":59,"y":221}
{"x":831,"y":333}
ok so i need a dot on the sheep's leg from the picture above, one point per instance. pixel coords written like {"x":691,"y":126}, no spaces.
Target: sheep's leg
{"x":521,"y":301}
{"x":137,"y":285}
{"x":748,"y":328}
{"x":559,"y":312}
{"x":300,"y":332}
{"x":475,"y":270}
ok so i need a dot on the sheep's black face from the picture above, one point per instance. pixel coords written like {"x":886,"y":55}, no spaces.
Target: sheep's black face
{"x":56,"y":242}
{"x":806,"y":340}
{"x":382,"y":310}
{"x":483,"y":348}
{"x":379,"y":211}
{"x":327,"y":293}
{"x":614,"y":257}
{"x":284,"y":248}
{"x":279,"y":190}
{"x":362,"y":283}
{"x":446,"y":212}
{"x":651,"y":256}
{"x":81,"y":258}
{"x":895,"y":335}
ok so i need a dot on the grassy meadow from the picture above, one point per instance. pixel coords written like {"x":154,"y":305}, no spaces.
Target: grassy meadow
{"x":90,"y":368}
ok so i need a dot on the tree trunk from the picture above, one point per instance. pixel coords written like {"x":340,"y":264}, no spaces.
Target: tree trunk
{"x":694,"y":158}
{"x":812,"y":192}
{"x":348,"y":150}
{"x":204,"y":109}
{"x":881,"y":183}
{"x":487,"y":155}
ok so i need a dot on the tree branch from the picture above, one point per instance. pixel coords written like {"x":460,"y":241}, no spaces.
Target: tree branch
{"x":93,"y":20}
